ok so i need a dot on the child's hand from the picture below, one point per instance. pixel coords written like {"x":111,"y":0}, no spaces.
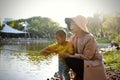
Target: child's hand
{"x":44,"y":53}
{"x":64,"y":55}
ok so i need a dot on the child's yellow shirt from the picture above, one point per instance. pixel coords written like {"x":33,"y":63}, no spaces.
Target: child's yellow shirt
{"x":60,"y":49}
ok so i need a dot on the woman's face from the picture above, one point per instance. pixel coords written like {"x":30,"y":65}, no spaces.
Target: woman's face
{"x":74,"y":28}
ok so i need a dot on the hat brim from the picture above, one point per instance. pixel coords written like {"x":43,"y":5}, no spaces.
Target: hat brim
{"x":68,"y":22}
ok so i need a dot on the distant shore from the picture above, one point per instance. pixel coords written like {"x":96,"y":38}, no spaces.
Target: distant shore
{"x":35,"y":40}
{"x":24,"y":40}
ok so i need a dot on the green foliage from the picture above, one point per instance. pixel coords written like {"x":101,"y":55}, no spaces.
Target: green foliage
{"x":112,"y":59}
{"x":94,"y":25}
{"x":0,"y":25}
{"x":103,"y":40}
{"x":108,"y":27}
{"x":42,"y":27}
{"x":117,"y":38}
{"x":35,"y":58}
{"x":111,"y":25}
{"x":16,"y":24}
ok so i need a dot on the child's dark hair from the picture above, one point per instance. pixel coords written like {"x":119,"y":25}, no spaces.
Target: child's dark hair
{"x":61,"y":33}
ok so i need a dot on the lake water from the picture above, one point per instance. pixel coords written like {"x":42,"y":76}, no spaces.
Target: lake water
{"x":23,"y":62}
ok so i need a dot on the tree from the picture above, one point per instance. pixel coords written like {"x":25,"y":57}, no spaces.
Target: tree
{"x":0,"y":25}
{"x":42,"y":26}
{"x":94,"y":25}
{"x":111,"y":26}
{"x":38,"y":26}
{"x":16,"y":24}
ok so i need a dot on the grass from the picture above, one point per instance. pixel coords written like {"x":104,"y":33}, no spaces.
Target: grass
{"x":103,"y":40}
{"x":112,"y":59}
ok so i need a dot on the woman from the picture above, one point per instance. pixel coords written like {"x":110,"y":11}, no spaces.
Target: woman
{"x":87,"y":61}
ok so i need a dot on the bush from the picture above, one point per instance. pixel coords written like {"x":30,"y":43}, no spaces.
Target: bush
{"x":112,"y":59}
{"x":103,"y":40}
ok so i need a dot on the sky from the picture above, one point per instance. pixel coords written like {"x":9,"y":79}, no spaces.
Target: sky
{"x":57,"y":10}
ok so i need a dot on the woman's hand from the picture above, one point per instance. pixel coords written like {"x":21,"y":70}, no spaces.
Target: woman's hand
{"x":77,"y":55}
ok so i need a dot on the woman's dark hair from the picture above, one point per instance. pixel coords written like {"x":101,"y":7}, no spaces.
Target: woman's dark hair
{"x":68,"y":22}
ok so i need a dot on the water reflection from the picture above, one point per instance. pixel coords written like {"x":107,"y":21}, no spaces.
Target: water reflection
{"x":23,"y":62}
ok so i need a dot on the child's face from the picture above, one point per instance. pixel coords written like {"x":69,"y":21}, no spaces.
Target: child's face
{"x":60,"y":40}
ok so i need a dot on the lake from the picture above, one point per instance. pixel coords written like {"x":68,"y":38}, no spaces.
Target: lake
{"x":22,"y":61}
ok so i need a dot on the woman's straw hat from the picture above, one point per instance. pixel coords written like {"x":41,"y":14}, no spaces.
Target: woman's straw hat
{"x":79,"y":20}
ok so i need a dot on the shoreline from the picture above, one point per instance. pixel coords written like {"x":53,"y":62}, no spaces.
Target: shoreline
{"x":24,"y":40}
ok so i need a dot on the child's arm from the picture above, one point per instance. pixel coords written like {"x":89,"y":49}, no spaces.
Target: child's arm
{"x":47,"y":51}
{"x":50,"y":49}
{"x":69,"y":51}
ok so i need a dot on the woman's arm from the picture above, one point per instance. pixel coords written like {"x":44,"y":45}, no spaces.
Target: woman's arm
{"x":90,"y":51}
